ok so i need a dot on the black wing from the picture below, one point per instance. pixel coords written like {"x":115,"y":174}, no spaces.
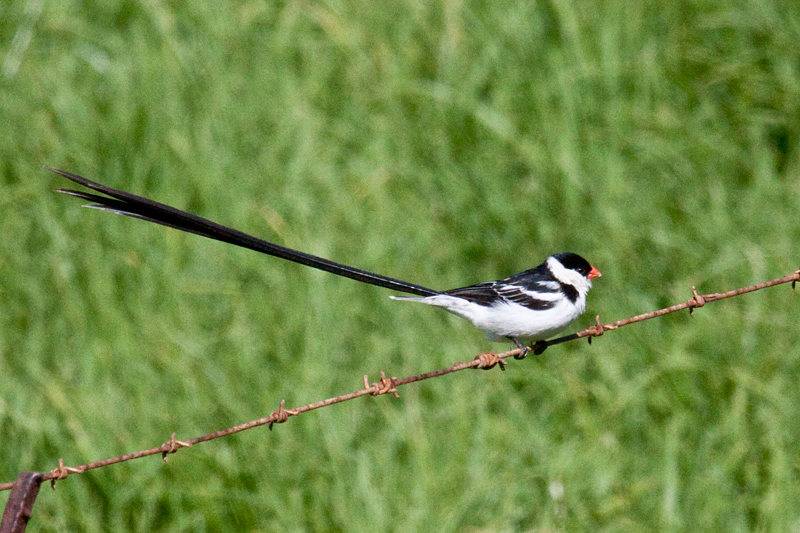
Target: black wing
{"x":541,"y":280}
{"x":497,"y":292}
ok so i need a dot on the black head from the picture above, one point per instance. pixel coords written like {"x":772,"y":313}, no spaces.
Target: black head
{"x":574,"y":262}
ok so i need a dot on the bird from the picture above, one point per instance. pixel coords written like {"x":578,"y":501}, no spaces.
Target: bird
{"x":533,"y":305}
{"x":529,"y":306}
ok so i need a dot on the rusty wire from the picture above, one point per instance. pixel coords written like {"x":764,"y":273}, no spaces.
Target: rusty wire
{"x":389,"y":385}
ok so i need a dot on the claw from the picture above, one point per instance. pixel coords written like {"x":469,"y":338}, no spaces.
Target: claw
{"x":523,"y":350}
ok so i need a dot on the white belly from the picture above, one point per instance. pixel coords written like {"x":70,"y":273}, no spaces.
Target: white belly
{"x":505,"y":320}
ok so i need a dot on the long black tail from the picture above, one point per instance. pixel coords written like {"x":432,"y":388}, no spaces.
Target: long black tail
{"x":124,"y":203}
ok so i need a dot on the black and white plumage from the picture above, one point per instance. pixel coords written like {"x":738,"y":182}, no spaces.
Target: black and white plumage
{"x":529,"y":306}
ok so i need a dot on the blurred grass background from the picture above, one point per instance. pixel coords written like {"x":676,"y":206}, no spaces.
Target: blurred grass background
{"x":444,"y":143}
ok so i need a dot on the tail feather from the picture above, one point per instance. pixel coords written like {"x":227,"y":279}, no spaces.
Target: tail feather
{"x":124,"y":203}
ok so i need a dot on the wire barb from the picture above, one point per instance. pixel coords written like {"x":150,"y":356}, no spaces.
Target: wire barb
{"x":62,"y":472}
{"x":384,"y":386}
{"x":696,"y":301}
{"x":172,"y":446}
{"x":489,"y":360}
{"x":281,"y":415}
{"x":598,"y":328}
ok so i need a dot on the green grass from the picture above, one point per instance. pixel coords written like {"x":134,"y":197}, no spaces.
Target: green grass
{"x":442,"y":143}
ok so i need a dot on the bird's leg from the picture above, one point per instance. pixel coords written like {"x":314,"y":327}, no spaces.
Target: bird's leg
{"x":523,"y":349}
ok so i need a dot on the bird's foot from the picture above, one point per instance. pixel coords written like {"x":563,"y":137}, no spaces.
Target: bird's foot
{"x":523,"y":350}
{"x":539,"y":347}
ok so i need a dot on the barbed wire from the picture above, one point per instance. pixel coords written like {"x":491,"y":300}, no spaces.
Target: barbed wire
{"x":387,"y":385}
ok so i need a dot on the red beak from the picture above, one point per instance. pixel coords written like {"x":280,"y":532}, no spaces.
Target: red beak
{"x":594,"y":273}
